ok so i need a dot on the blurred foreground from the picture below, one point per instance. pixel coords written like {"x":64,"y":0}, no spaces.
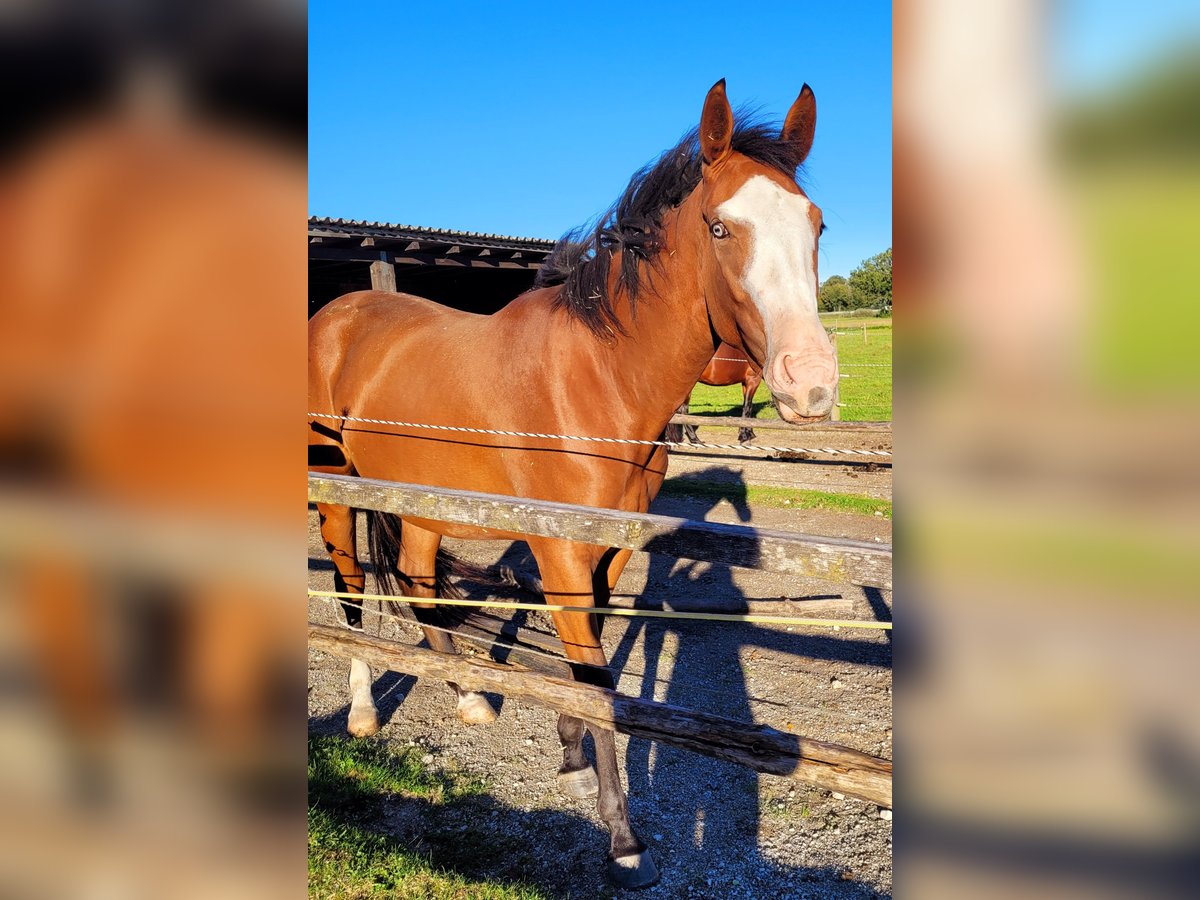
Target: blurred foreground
{"x":151,"y":372}
{"x":1048,"y":741}
{"x":152,"y":190}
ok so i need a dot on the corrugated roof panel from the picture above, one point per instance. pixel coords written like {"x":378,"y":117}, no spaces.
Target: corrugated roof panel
{"x":356,"y":227}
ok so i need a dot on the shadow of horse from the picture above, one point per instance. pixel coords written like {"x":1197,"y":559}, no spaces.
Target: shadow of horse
{"x":715,"y":806}
{"x":547,"y":852}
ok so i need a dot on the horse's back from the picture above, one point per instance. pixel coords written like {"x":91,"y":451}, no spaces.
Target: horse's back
{"x":352,"y":335}
{"x":382,"y":314}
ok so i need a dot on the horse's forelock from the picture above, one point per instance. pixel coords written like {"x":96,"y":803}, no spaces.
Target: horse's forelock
{"x":631,"y":228}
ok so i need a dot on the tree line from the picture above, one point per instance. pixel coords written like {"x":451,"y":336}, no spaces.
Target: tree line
{"x":868,"y":287}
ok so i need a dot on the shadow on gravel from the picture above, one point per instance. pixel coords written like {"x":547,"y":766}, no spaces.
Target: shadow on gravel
{"x":675,"y":580}
{"x":711,"y":808}
{"x":558,"y":853}
{"x":378,"y":835}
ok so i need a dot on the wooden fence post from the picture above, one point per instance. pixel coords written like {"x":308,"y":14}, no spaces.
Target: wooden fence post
{"x":835,"y":414}
{"x":383,"y":276}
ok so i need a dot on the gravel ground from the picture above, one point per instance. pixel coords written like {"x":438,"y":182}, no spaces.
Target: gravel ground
{"x":869,"y":476}
{"x":717,"y":830}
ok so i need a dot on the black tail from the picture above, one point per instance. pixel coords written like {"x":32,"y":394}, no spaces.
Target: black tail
{"x":383,"y":535}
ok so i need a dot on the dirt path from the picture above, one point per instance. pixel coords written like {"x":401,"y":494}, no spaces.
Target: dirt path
{"x":717,"y":830}
{"x":824,"y":472}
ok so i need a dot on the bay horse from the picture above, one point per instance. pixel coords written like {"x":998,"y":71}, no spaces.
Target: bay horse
{"x":714,"y":241}
{"x":728,"y":366}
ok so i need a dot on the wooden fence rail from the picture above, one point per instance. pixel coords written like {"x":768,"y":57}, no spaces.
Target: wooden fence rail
{"x":881,"y":428}
{"x":832,"y":559}
{"x":759,"y":747}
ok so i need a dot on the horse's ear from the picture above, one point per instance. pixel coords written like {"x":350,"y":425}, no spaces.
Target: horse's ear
{"x":800,"y":124}
{"x":716,"y":124}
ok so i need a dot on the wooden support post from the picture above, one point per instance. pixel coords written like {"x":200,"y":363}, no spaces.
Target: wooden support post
{"x":835,"y":414}
{"x":383,"y":276}
{"x":759,"y":747}
{"x":864,"y":332}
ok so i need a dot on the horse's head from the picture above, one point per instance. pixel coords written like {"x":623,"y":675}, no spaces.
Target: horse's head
{"x":759,"y":274}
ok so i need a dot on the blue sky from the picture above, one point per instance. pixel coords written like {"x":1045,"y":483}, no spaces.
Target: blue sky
{"x":529,"y":118}
{"x":1098,"y":43}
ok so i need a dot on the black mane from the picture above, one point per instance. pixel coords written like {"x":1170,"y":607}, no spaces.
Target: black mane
{"x":631,"y":227}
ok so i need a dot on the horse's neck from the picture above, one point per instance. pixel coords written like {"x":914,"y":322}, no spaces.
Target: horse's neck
{"x":669,"y":341}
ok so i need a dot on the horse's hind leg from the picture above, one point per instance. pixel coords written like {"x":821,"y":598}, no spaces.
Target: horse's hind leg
{"x":749,"y":388}
{"x":688,"y":430}
{"x":418,"y":578}
{"x":338,"y":531}
{"x":567,"y":576}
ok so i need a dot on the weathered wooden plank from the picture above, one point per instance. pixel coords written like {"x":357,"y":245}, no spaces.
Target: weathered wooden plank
{"x":508,"y":634}
{"x":884,"y":428}
{"x":759,"y":747}
{"x":832,"y":606}
{"x":828,"y":605}
{"x":831,"y":559}
{"x":383,"y":276}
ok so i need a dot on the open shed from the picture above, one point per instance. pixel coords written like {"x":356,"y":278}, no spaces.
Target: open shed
{"x":464,"y":269}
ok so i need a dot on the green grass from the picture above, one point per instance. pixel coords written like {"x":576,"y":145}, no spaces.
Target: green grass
{"x":780,"y":497}
{"x":1139,"y":334}
{"x":866,"y":392}
{"x":349,"y":785}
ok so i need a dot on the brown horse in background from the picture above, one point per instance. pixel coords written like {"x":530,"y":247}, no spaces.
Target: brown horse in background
{"x":727,"y":367}
{"x":716,"y":238}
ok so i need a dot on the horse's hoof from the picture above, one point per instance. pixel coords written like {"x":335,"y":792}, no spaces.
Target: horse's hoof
{"x":474,"y":709}
{"x":363,"y":723}
{"x":633,"y":872}
{"x":579,"y":785}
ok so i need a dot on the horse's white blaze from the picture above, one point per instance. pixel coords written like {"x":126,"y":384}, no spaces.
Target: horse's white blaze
{"x":779,"y":276}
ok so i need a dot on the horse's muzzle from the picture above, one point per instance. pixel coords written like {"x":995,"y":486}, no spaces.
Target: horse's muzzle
{"x":819,"y":406}
{"x":804,"y":383}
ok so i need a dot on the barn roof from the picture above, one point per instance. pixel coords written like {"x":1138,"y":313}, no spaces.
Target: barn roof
{"x":367,"y":240}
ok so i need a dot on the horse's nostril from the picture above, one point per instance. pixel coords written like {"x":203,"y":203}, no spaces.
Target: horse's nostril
{"x":817,"y":396}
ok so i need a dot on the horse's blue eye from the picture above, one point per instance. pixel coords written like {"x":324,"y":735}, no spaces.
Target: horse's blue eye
{"x":718,"y":230}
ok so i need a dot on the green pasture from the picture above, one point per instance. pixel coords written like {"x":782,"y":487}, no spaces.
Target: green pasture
{"x":1139,"y":225}
{"x":857,"y":317}
{"x":866,"y":392}
{"x":350,"y":786}
{"x":781,"y":497}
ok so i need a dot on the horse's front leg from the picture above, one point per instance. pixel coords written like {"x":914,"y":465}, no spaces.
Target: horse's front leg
{"x":577,"y":778}
{"x":567,"y":578}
